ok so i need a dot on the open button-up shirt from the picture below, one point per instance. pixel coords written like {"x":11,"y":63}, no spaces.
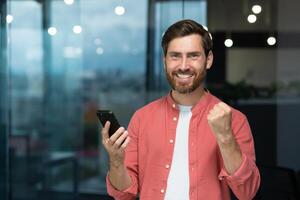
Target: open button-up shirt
{"x":148,"y":156}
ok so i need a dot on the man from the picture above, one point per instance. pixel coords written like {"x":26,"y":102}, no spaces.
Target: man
{"x":188,"y":144}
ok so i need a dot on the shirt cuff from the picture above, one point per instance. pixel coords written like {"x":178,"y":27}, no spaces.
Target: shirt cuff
{"x":240,"y":175}
{"x":119,"y":194}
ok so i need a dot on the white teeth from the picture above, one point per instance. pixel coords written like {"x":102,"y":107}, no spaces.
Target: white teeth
{"x":184,"y":75}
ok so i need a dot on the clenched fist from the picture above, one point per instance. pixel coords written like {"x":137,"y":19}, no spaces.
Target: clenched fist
{"x":219,"y":120}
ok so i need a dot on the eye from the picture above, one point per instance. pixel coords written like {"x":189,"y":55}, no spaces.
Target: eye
{"x":194,"y":56}
{"x":175,"y":56}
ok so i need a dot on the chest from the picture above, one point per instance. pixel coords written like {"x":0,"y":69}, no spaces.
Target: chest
{"x":158,"y":138}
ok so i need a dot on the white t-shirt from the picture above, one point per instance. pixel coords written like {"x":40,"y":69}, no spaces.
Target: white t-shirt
{"x":179,"y":181}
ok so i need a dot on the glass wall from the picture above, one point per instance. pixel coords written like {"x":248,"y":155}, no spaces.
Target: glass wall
{"x":66,"y":59}
{"x":167,"y":13}
{"x":4,"y":156}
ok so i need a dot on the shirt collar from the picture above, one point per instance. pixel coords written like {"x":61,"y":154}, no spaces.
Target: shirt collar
{"x":202,"y":103}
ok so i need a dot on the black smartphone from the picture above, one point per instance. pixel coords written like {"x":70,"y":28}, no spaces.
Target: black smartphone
{"x":107,"y":115}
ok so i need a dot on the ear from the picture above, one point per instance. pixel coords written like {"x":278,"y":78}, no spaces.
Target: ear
{"x":164,"y":62}
{"x":209,"y":60}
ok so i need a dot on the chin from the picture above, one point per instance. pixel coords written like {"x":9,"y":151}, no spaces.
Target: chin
{"x":184,"y":90}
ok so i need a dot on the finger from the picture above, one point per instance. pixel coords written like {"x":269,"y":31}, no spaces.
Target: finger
{"x":225,"y":110}
{"x":214,"y":110}
{"x":125,"y":143}
{"x":224,"y":106}
{"x":105,"y":130}
{"x":121,"y":139}
{"x":212,"y":115}
{"x":209,"y":118}
{"x":116,"y":135}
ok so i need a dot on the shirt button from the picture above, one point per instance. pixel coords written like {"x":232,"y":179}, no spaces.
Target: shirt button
{"x":174,"y":105}
{"x":167,"y":166}
{"x":174,"y":118}
{"x":162,"y":191}
{"x":171,"y":141}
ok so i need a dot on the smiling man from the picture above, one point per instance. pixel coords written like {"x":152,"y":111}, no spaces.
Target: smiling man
{"x":188,"y":144}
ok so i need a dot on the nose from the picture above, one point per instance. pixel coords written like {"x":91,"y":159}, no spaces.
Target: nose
{"x":184,"y":64}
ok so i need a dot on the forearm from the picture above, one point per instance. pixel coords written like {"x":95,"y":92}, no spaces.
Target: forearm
{"x":230,"y":152}
{"x":119,"y":177}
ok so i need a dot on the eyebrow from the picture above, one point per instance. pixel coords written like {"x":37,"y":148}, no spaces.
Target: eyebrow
{"x":194,"y":53}
{"x":188,"y":53}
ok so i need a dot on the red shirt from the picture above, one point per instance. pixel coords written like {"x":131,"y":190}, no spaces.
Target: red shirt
{"x":148,"y":156}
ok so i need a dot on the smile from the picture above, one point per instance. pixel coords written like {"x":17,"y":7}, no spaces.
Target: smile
{"x":184,"y":76}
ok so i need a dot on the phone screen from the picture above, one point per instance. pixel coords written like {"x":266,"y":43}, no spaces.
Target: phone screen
{"x":107,"y":115}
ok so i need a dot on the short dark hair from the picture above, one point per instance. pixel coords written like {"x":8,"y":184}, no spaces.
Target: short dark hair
{"x":184,"y":28}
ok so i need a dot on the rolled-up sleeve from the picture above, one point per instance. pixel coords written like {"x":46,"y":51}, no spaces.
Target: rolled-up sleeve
{"x":245,"y":181}
{"x":127,"y":194}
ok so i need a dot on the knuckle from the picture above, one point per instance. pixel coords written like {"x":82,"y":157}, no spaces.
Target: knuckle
{"x":116,"y":144}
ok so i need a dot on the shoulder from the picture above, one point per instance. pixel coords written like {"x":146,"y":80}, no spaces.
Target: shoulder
{"x":151,"y":108}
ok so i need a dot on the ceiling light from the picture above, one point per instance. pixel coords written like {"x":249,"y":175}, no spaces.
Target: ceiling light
{"x":228,"y":42}
{"x":256,"y":9}
{"x":251,"y":18}
{"x":271,"y":41}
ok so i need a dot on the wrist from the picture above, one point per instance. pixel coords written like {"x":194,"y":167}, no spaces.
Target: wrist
{"x":225,"y":138}
{"x":116,"y":164}
{"x":228,"y":144}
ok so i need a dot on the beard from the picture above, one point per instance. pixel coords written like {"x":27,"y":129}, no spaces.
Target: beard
{"x":198,"y":79}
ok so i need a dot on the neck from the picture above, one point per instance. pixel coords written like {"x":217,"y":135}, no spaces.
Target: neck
{"x":188,"y":99}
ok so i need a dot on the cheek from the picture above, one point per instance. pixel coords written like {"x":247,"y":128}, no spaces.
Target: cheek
{"x":170,"y":65}
{"x":199,"y":66}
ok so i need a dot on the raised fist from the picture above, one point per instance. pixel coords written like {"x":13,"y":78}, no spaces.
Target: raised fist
{"x":219,"y":120}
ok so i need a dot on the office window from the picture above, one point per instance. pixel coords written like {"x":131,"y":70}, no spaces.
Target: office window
{"x":66,"y":61}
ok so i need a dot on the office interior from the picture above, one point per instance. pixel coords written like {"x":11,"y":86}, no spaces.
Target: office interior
{"x":61,"y":60}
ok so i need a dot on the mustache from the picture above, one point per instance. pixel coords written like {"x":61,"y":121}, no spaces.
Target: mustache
{"x":184,"y":72}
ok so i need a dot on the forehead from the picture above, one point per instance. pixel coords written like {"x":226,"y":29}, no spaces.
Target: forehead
{"x":187,"y":43}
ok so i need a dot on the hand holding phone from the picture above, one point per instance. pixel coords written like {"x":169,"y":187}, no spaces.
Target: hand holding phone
{"x":107,"y":115}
